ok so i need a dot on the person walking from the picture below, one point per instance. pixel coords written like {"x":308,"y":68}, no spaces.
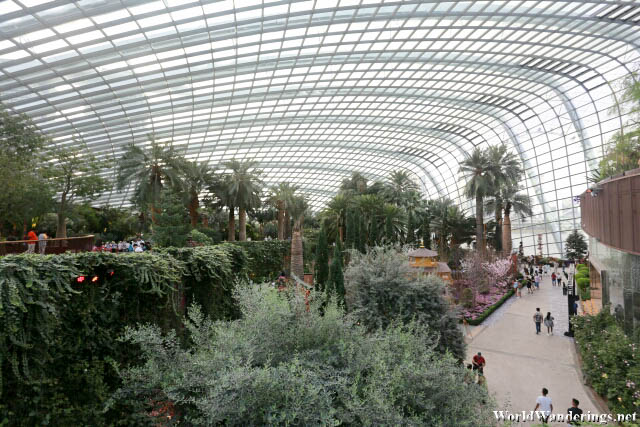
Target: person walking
{"x":42,"y":242}
{"x":553,"y":279}
{"x":545,"y":405}
{"x":478,"y":363}
{"x":538,"y":280}
{"x":529,"y":290}
{"x":548,"y":322}
{"x":516,"y":289}
{"x":574,"y":412}
{"x":537,"y":318}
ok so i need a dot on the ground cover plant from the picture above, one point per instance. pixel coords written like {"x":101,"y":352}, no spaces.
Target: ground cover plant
{"x":285,"y":362}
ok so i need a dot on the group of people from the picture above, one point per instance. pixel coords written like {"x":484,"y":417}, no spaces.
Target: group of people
{"x":137,"y":245}
{"x":36,"y":238}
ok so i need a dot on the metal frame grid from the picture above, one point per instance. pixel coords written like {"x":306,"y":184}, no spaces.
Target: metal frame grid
{"x":316,"y":89}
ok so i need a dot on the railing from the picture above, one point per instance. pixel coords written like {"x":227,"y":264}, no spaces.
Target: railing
{"x":51,"y":246}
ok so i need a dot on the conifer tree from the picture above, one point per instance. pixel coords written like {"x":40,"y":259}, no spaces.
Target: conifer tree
{"x":373,"y":232}
{"x":335,"y":285}
{"x":411,"y":237}
{"x":362,"y":240}
{"x":576,"y":245}
{"x":352,"y":231}
{"x":388,"y":230}
{"x":322,"y":260}
{"x":426,"y":233}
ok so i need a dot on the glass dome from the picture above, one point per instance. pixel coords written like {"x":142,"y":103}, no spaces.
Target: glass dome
{"x":314,"y":90}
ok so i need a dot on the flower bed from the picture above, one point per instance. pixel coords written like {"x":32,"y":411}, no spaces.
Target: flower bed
{"x":485,"y":305}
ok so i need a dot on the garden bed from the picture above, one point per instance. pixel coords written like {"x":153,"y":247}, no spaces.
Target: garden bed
{"x":485,"y":307}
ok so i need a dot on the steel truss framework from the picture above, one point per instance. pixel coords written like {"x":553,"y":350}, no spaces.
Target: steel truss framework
{"x":316,"y":89}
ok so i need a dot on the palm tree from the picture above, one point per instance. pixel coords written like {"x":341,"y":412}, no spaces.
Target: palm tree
{"x":485,"y":172}
{"x":149,"y":169}
{"x":476,"y":170}
{"x":518,"y":203}
{"x":451,"y":227}
{"x":297,"y":207}
{"x":394,"y":222}
{"x":221,"y":188}
{"x":506,"y":171}
{"x":279,"y":196}
{"x":195,"y":177}
{"x":245,"y":188}
{"x":336,"y":213}
{"x":398,"y":185}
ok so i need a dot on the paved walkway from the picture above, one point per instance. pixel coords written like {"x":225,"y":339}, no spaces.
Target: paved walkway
{"x":520,"y":363}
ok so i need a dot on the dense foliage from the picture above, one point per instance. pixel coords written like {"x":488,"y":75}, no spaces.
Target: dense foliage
{"x":60,"y":317}
{"x":381,"y":288}
{"x":610,"y":360}
{"x":266,"y":259}
{"x":307,"y":368}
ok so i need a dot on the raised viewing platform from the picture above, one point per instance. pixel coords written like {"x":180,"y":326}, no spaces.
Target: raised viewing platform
{"x":52,"y":246}
{"x":611,"y":211}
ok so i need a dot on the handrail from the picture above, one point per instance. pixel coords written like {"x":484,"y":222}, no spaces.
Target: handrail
{"x":52,"y":239}
{"x":48,"y":246}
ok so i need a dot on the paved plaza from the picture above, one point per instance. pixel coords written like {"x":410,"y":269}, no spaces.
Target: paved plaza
{"x":520,"y":363}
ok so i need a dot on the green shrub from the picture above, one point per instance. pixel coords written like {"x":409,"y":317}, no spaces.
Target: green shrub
{"x":381,"y":289}
{"x":199,"y":237}
{"x":58,"y":336}
{"x":585,"y":294}
{"x":466,"y":298}
{"x":266,"y":258}
{"x":310,"y":366}
{"x":583,"y":282}
{"x":579,"y":266}
{"x":610,"y":360}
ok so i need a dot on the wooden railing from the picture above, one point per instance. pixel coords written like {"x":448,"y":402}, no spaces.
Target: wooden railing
{"x":51,"y":246}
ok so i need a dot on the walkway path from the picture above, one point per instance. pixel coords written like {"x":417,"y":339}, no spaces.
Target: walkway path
{"x":520,"y":363}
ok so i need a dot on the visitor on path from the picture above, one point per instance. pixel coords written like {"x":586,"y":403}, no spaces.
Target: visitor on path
{"x":31,"y":237}
{"x":538,"y":280}
{"x":537,"y":318}
{"x":544,"y":404}
{"x":574,"y":412}
{"x":553,"y":278}
{"x":548,"y":322}
{"x":529,"y":290}
{"x":42,"y":242}
{"x":478,"y":363}
{"x":516,"y":288}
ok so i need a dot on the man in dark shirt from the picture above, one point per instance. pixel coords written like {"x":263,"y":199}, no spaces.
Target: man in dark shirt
{"x":574,"y":412}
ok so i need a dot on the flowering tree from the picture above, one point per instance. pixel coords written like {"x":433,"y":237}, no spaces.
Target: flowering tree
{"x":498,"y":271}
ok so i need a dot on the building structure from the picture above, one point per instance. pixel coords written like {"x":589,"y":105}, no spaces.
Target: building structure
{"x":425,"y":261}
{"x":610,"y":212}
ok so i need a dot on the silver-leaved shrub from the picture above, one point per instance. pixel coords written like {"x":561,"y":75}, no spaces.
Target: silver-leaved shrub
{"x":382,"y":289}
{"x":295,"y":361}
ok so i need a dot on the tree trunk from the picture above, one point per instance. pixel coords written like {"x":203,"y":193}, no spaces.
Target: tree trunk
{"x":479,"y":224}
{"x":287,"y":225}
{"x":297,"y":262}
{"x":231,"y":235}
{"x":506,"y":234}
{"x":280,"y":208}
{"x":193,"y":210}
{"x":61,"y":231}
{"x":205,"y":221}
{"x":242,"y":214}
{"x":498,"y":232}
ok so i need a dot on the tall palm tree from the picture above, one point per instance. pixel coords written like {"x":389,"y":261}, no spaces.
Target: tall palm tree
{"x":477,"y":171}
{"x":221,"y":188}
{"x":507,"y":171}
{"x":149,"y":169}
{"x":519,"y":204}
{"x":278,"y":197}
{"x":195,"y":178}
{"x":297,"y":208}
{"x":451,"y":227}
{"x":245,"y":188}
